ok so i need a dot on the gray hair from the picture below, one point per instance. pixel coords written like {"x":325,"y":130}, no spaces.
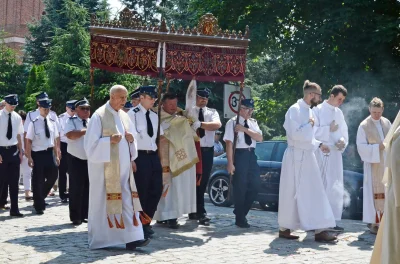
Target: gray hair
{"x":117,"y":88}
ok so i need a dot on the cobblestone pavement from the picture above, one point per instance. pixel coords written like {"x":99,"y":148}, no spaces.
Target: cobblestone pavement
{"x":50,"y":238}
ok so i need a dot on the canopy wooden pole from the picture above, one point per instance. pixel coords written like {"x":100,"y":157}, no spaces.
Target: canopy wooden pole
{"x":235,"y":137}
{"x":91,"y":86}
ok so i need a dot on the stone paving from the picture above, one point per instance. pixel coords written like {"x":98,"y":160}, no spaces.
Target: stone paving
{"x":50,"y":238}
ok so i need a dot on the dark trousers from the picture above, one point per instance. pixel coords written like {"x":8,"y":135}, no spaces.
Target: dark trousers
{"x":246,"y":182}
{"x":207,"y":155}
{"x":78,"y":188}
{"x":44,"y":175}
{"x":9,"y":176}
{"x":149,"y":183}
{"x":62,"y":171}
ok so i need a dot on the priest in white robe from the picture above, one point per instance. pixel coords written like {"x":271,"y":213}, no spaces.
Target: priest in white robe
{"x":370,"y":135}
{"x":386,"y":249}
{"x":303,"y":203}
{"x":331,"y":129}
{"x":178,"y":158}
{"x":114,"y":204}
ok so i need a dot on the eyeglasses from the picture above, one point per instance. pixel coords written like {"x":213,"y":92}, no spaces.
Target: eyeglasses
{"x":85,"y":108}
{"x":246,"y":108}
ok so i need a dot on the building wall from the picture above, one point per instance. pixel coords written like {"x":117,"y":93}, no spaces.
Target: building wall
{"x":15,"y":15}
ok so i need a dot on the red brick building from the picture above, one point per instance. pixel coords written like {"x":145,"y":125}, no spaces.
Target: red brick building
{"x":15,"y":15}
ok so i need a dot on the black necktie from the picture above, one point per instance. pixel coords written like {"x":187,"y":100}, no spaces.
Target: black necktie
{"x":84,"y":122}
{"x":9,"y":128}
{"x":202,"y":133}
{"x":149,"y":124}
{"x":247,"y":138}
{"x":46,"y":128}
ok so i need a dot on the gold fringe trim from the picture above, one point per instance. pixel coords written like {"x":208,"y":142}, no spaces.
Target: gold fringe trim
{"x":135,"y":221}
{"x":166,"y":192}
{"x":185,"y":168}
{"x":109,"y":222}
{"x":144,"y":218}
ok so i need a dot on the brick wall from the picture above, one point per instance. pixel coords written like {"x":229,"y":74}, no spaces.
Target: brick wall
{"x":15,"y":15}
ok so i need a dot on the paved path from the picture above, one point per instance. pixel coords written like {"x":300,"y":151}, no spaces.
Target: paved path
{"x":50,"y":238}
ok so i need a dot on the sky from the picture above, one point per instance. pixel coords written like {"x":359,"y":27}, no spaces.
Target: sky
{"x":115,"y":5}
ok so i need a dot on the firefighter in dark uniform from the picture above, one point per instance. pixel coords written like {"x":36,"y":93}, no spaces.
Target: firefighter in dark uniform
{"x":63,"y":168}
{"x":208,"y":122}
{"x":243,"y":164}
{"x":11,"y":130}
{"x":148,"y":176}
{"x":43,"y":154}
{"x":75,"y":131}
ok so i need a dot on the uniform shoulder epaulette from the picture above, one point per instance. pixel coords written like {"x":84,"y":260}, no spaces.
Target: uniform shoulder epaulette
{"x":61,"y":115}
{"x":31,"y":111}
{"x":73,"y":117}
{"x":135,"y":110}
{"x":52,"y":119}
{"x":153,"y":111}
{"x":252,"y":119}
{"x":234,"y":118}
{"x":36,"y":119}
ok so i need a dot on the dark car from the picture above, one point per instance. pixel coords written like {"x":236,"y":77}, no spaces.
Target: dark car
{"x":269,"y":158}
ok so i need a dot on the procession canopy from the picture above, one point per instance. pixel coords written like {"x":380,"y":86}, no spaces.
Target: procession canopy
{"x":128,"y":45}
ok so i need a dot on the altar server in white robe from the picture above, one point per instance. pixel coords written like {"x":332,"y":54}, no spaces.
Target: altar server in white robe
{"x":331,"y":129}
{"x":370,"y":135}
{"x":303,"y":203}
{"x":114,"y":204}
{"x":178,"y":159}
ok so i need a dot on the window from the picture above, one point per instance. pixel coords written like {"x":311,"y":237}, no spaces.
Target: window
{"x":280,"y":151}
{"x":264,"y":150}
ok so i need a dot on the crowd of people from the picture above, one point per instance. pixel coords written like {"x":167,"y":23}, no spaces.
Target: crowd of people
{"x":131,"y":162}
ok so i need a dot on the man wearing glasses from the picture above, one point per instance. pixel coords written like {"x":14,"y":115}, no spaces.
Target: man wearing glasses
{"x":243,"y":163}
{"x":63,"y":168}
{"x":303,"y":203}
{"x":75,"y":131}
{"x":148,"y":171}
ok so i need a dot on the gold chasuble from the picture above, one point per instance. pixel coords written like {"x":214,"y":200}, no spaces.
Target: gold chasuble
{"x":112,"y":171}
{"x":377,"y":169}
{"x":177,"y":148}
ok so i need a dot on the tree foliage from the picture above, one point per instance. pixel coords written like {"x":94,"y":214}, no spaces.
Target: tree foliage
{"x":37,"y":82}
{"x":12,"y":73}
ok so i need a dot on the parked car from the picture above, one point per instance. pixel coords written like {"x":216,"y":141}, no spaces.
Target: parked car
{"x":269,"y":158}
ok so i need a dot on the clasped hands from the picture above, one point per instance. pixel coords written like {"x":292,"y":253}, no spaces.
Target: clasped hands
{"x":116,"y":138}
{"x":340,"y":144}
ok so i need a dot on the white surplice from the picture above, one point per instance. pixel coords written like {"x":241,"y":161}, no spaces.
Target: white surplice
{"x":369,"y":153}
{"x":98,"y":152}
{"x":181,"y":197}
{"x":331,"y":165}
{"x":303,"y":203}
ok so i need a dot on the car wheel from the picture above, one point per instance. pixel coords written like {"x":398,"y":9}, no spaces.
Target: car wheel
{"x":273,"y":207}
{"x":218,"y":191}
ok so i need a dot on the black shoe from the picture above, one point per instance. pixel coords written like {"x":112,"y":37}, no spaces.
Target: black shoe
{"x":338,"y":229}
{"x":139,"y":243}
{"x":77,"y":222}
{"x":46,"y":204}
{"x":161,"y":222}
{"x":193,"y":216}
{"x":147,"y":231}
{"x":204,"y":221}
{"x":18,"y":214}
{"x":242,"y":224}
{"x":84,"y":221}
{"x":173,"y":223}
{"x":204,"y":217}
{"x":65,"y":201}
{"x":39,"y":212}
